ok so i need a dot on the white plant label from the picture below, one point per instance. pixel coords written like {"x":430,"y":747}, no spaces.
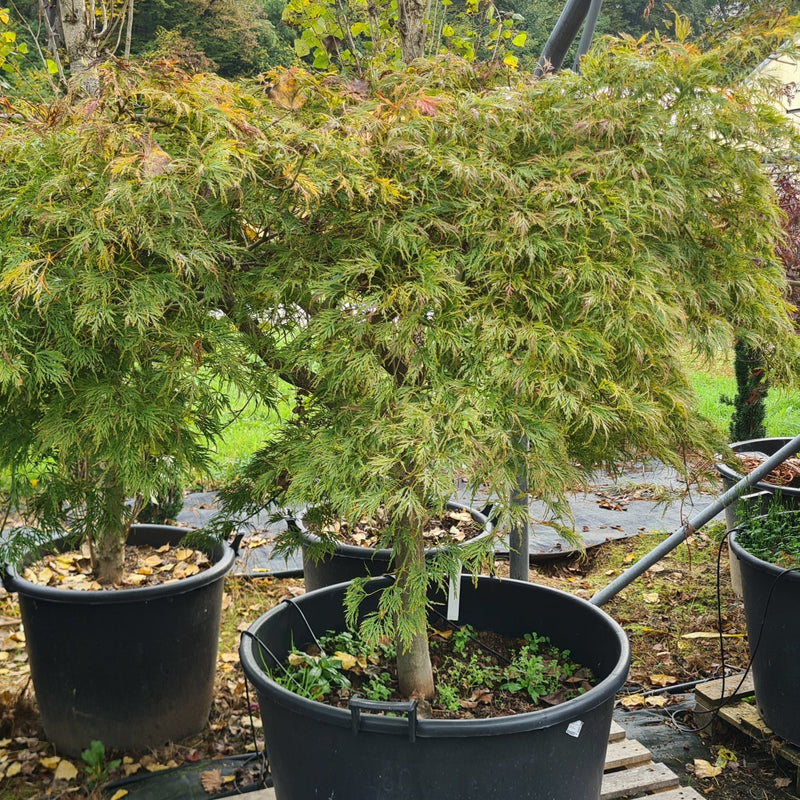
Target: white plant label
{"x":574,"y":728}
{"x":452,"y":598}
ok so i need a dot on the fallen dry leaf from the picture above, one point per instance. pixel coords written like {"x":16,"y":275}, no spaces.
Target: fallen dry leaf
{"x":14,"y":768}
{"x":782,"y":783}
{"x":51,"y":762}
{"x":650,"y":597}
{"x":632,"y":701}
{"x":211,"y":780}
{"x":656,"y":701}
{"x":663,"y":680}
{"x":711,"y":635}
{"x":65,"y":771}
{"x":704,"y":769}
{"x":347,"y":660}
{"x":120,"y":793}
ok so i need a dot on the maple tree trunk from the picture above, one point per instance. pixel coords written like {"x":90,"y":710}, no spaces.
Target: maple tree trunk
{"x":414,"y":671}
{"x":108,"y":544}
{"x":79,"y":42}
{"x":410,"y":14}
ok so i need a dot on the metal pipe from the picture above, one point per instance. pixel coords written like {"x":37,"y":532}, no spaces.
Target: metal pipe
{"x":695,"y":523}
{"x":588,"y":33}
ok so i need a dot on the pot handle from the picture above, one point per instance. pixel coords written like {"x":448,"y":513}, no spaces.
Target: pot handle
{"x":407,"y":707}
{"x":5,"y":576}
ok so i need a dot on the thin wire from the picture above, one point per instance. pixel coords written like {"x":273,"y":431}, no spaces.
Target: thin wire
{"x":276,"y":660}
{"x":732,"y":697}
{"x":290,"y":601}
{"x":260,"y":754}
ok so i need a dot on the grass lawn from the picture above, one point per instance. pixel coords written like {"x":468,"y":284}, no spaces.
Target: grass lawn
{"x":713,"y":382}
{"x":715,"y":386}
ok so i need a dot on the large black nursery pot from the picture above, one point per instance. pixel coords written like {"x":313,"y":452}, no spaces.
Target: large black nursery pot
{"x":557,"y":753}
{"x":349,"y":561}
{"x":772,"y":611}
{"x":133,"y":668}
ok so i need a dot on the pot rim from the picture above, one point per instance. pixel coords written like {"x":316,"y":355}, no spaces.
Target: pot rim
{"x":384,"y":553}
{"x":14,"y":582}
{"x":745,"y":445}
{"x":447,"y":728}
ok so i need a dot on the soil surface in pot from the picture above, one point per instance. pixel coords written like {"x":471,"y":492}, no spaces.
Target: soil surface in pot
{"x":454,"y":526}
{"x":478,"y":674}
{"x":786,"y":474}
{"x":144,"y":566}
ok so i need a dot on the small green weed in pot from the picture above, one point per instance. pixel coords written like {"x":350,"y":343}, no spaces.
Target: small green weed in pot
{"x":774,"y":537}
{"x":478,"y":674}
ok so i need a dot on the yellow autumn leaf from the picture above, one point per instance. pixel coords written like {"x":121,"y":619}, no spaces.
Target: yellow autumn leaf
{"x":650,"y":597}
{"x":348,"y":661}
{"x":44,"y":576}
{"x":657,"y":701}
{"x":152,"y":561}
{"x":65,"y":771}
{"x":663,"y":680}
{"x":632,"y":701}
{"x":703,"y":769}
{"x":119,"y":794}
{"x":286,"y":93}
{"x":182,"y":555}
{"x":50,"y":762}
{"x":14,"y":768}
{"x":711,"y":635}
{"x":295,"y":659}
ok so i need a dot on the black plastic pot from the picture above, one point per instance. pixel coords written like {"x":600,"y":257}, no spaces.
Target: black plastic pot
{"x":772,"y":611}
{"x":556,"y":753}
{"x":788,"y":496}
{"x":349,"y":561}
{"x":133,"y":668}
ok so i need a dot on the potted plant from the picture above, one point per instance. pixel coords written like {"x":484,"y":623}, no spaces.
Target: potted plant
{"x":767,"y":548}
{"x":782,"y":485}
{"x":119,"y":215}
{"x":339,"y":552}
{"x":487,"y":282}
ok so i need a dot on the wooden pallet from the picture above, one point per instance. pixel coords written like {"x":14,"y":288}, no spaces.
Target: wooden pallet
{"x":629,"y":773}
{"x":735,"y":709}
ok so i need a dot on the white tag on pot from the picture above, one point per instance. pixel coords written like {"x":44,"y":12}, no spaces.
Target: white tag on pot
{"x":452,"y":599}
{"x":574,"y":728}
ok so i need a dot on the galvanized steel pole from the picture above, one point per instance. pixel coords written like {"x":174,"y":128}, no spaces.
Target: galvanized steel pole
{"x":697,"y":522}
